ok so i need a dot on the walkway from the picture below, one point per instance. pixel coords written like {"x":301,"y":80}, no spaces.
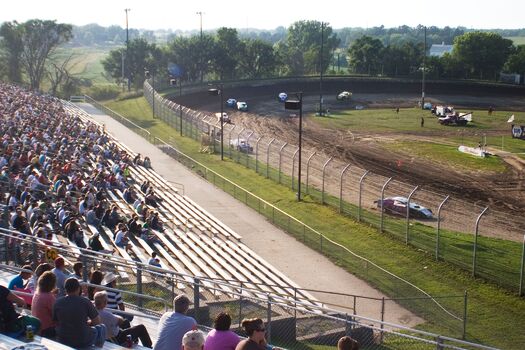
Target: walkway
{"x":306,"y":267}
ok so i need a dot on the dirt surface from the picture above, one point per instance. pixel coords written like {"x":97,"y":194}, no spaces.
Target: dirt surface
{"x":502,"y":192}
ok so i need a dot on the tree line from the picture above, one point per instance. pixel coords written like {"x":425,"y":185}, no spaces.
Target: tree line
{"x":227,"y":54}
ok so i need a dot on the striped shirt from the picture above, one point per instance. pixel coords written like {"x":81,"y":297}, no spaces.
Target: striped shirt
{"x":114,"y":299}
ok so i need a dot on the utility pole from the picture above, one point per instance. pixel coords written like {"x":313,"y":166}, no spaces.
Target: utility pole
{"x":200,"y":13}
{"x":321,"y":70}
{"x":127,"y":50}
{"x":424,"y":71}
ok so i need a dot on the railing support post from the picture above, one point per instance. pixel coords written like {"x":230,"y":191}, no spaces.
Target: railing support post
{"x":439,"y":225}
{"x":269,"y":321}
{"x":475,"y":248}
{"x":139,"y":284}
{"x":382,"y":204}
{"x":465,"y":300}
{"x":341,"y":187}
{"x":408,"y":213}
{"x":196,"y":299}
{"x":361,"y":180}
{"x":308,"y":170}
{"x":324,"y":172}
{"x":522,"y":269}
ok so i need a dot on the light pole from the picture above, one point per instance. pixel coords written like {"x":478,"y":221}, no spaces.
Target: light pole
{"x":424,"y":69}
{"x":219,"y":91}
{"x":297,"y":105}
{"x":127,"y":50}
{"x":151,"y":74}
{"x":180,"y":104}
{"x":200,"y":13}
{"x":321,"y":72}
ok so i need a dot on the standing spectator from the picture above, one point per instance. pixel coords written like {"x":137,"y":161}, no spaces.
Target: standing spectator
{"x":18,"y":282}
{"x":221,"y":337}
{"x":256,"y":332}
{"x":43,"y":302}
{"x":193,"y":340}
{"x":11,"y":321}
{"x":347,"y":343}
{"x":71,"y":314}
{"x":60,"y":275}
{"x":114,"y":324}
{"x":173,"y":325}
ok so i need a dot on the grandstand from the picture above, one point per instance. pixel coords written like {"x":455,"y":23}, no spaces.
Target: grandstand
{"x":55,"y":154}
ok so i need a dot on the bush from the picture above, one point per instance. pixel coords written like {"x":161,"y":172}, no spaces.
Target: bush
{"x":103,"y":92}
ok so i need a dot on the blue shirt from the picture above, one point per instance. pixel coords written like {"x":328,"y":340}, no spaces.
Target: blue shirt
{"x":172,"y":327}
{"x":16,"y":282}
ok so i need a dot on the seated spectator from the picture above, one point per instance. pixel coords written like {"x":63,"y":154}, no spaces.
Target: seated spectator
{"x":71,"y":314}
{"x":19,"y":281}
{"x":40,"y":269}
{"x":154,"y":261}
{"x":221,"y":337}
{"x":148,"y":236}
{"x":77,"y":271}
{"x":115,"y":301}
{"x":96,"y":245}
{"x":11,"y":322}
{"x":193,"y":340}
{"x":121,"y":238}
{"x":173,"y":325}
{"x":256,"y":332}
{"x":147,"y":162}
{"x":347,"y":343}
{"x":96,"y":278}
{"x":114,"y":324}
{"x":60,"y":275}
{"x":43,"y":302}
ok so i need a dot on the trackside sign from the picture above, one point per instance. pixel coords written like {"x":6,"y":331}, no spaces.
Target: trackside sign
{"x":518,"y":131}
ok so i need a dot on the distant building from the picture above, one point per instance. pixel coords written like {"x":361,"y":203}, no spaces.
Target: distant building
{"x":440,"y":49}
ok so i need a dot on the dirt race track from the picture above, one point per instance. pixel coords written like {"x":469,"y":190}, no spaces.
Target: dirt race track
{"x":504,"y":193}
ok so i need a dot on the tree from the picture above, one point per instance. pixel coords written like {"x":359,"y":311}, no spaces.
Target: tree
{"x":301,"y":48}
{"x":39,"y":39}
{"x":366,"y":55}
{"x":12,"y":48}
{"x":258,"y":59}
{"x":516,"y":61}
{"x":483,"y":53}
{"x":227,"y":52}
{"x":141,"y":55}
{"x":192,"y":54}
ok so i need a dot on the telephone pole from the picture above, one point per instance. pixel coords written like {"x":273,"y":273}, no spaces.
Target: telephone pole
{"x":127,"y":51}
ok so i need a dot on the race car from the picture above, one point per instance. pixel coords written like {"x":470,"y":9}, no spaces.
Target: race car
{"x":398,"y":206}
{"x":231,"y":102}
{"x":344,"y":96}
{"x":242,"y":106}
{"x":283,"y":97}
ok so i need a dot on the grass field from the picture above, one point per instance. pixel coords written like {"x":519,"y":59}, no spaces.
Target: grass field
{"x":495,"y":316}
{"x":518,"y":40}
{"x":86,"y":62}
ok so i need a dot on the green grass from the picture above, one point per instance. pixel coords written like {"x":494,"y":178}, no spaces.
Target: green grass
{"x":495,"y":316}
{"x":518,"y":40}
{"x":447,"y":155}
{"x":86,"y":62}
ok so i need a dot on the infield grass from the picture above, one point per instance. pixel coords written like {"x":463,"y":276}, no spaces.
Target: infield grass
{"x":495,"y":315}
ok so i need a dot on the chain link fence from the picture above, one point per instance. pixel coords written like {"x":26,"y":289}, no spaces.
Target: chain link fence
{"x":450,"y":236}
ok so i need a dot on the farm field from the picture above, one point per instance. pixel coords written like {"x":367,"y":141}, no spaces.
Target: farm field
{"x":86,"y":62}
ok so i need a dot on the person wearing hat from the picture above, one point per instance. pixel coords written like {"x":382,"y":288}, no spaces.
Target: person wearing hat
{"x":193,"y":340}
{"x":114,"y":298}
{"x":60,"y":275}
{"x":174,"y":325}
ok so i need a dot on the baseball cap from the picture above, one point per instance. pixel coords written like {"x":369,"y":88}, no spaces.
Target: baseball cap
{"x":193,"y":339}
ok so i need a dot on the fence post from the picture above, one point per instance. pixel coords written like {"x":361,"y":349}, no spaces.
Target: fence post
{"x":439,"y":343}
{"x":293,"y":167}
{"x":522,"y":272}
{"x":382,"y":319}
{"x":257,"y":155}
{"x":268,"y":157}
{"x":230,"y":140}
{"x":35,"y":251}
{"x":360,"y":192}
{"x":408,"y":213}
{"x":324,"y":169}
{"x":239,"y":145}
{"x":280,"y":157}
{"x":240,"y":305}
{"x":439,"y":225}
{"x":382,"y":204}
{"x":248,"y":148}
{"x":269,"y":320}
{"x":308,"y":170}
{"x":85,"y":270}
{"x":341,"y":188}
{"x":476,"y":242}
{"x":465,"y":299}
{"x":139,"y":284}
{"x":196,"y":287}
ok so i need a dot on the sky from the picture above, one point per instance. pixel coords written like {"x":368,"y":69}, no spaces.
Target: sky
{"x":270,"y":14}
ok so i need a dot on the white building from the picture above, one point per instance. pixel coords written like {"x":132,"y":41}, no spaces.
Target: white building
{"x":440,"y":49}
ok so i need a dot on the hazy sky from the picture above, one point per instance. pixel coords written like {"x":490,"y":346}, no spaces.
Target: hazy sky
{"x":269,"y":14}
